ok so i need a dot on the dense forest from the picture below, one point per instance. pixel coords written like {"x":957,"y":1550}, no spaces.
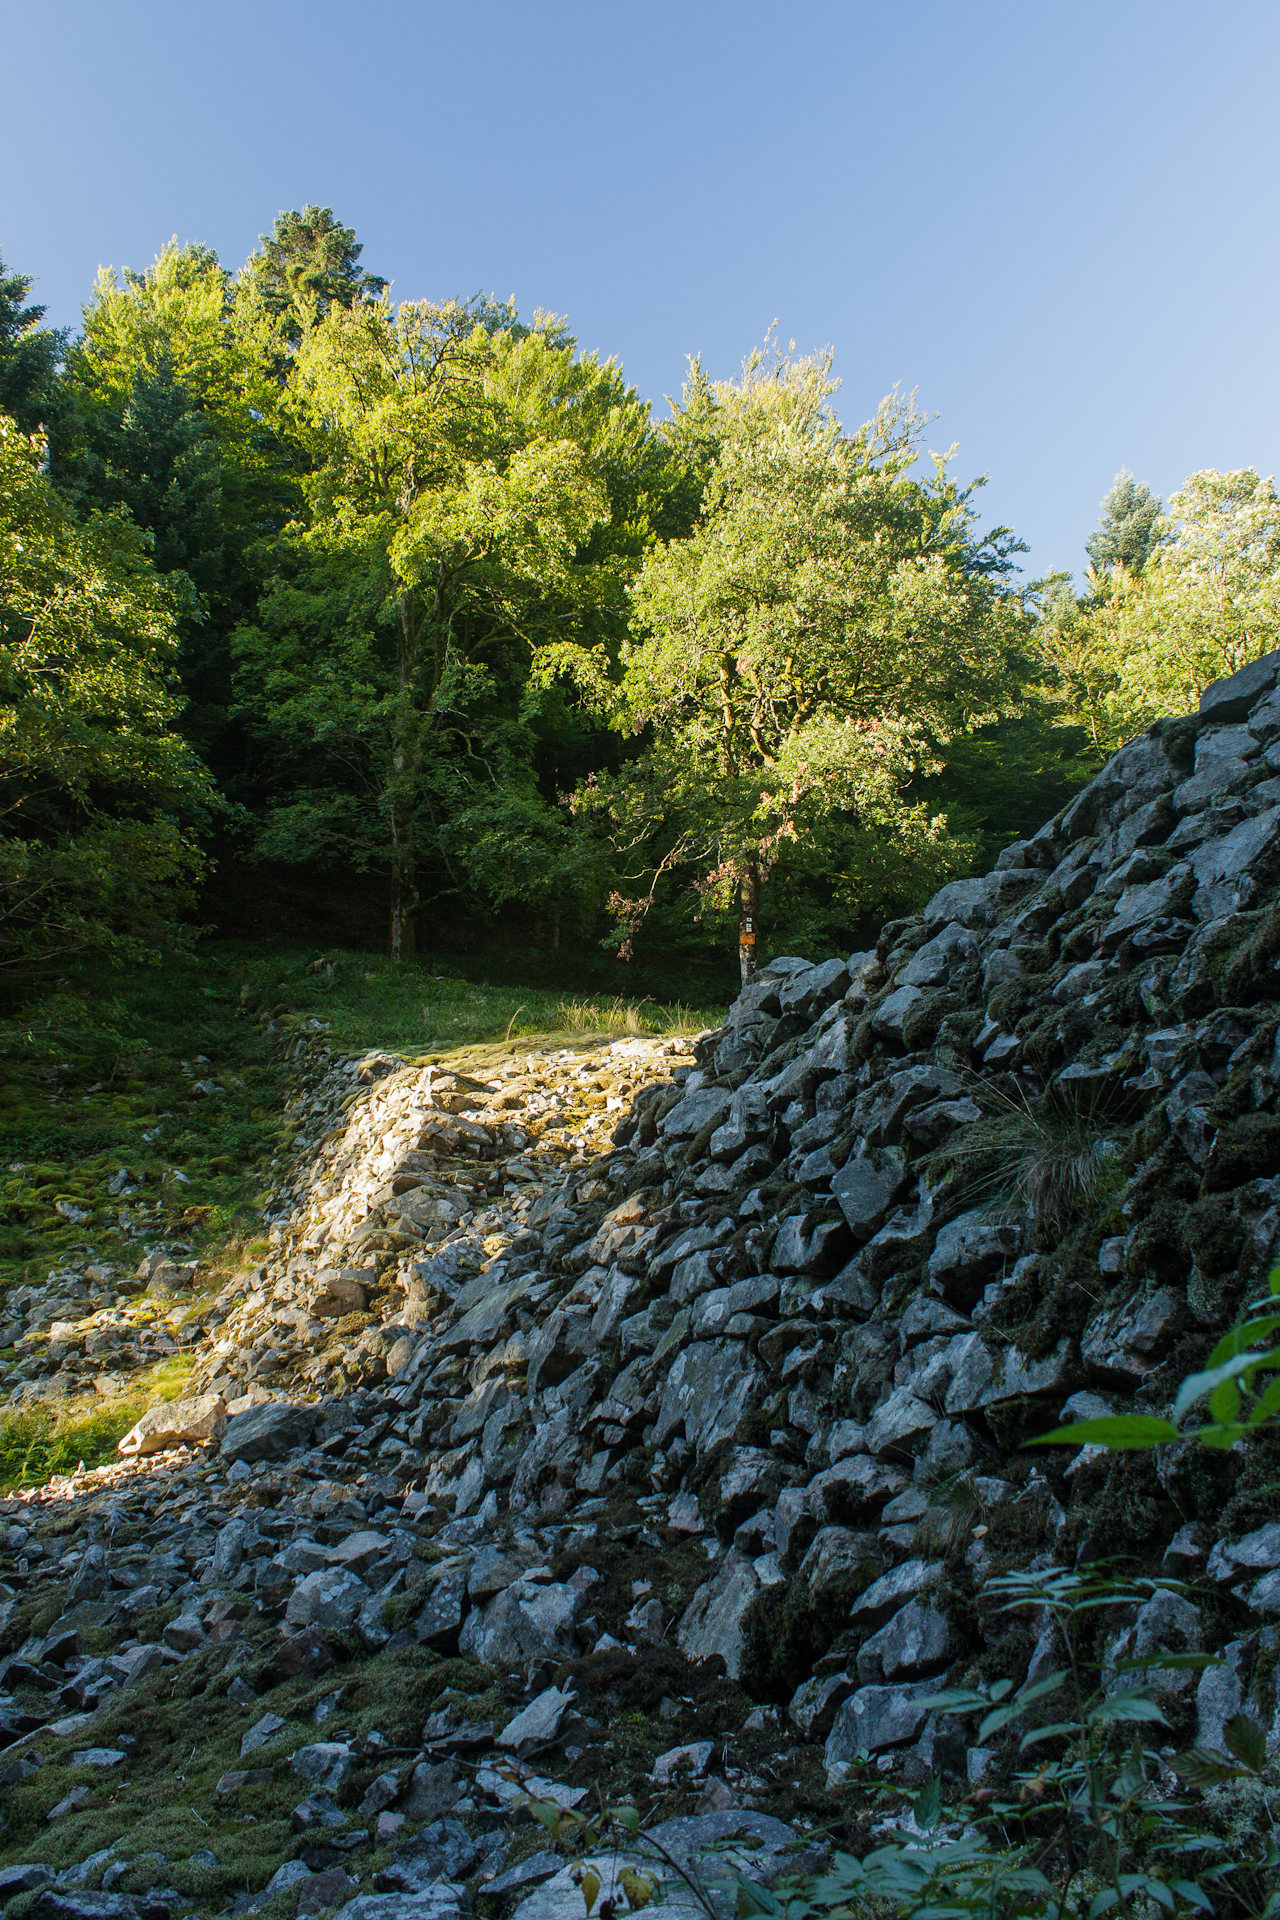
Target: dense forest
{"x":410,"y":625}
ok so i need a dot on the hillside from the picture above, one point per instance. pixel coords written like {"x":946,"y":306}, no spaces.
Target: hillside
{"x":647,"y":1415}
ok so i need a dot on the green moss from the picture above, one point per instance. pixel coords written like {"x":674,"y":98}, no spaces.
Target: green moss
{"x":1246,"y":1149}
{"x":1178,"y":738}
{"x":925,"y":1017}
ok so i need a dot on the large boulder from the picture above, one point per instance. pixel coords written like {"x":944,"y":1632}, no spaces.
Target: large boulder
{"x":177,"y":1423}
{"x":266,"y":1432}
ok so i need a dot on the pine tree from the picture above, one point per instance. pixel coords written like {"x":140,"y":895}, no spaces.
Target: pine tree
{"x":308,"y":263}
{"x":1126,"y":533}
{"x":29,"y":356}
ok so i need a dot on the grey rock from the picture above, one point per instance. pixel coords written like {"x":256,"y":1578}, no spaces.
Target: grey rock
{"x":439,"y":1901}
{"x":867,"y":1186}
{"x":1221,"y":866}
{"x":328,"y":1764}
{"x":1220,"y":1696}
{"x":440,"y":1615}
{"x":533,"y":1871}
{"x":917,"y":1639}
{"x":1167,"y":1623}
{"x":539,"y":1723}
{"x":1125,"y":1342}
{"x":1131,"y":779}
{"x":714,"y":1622}
{"x":889,"y":1016}
{"x":181,"y":1423}
{"x":444,"y":1850}
{"x":969,"y":1251}
{"x":266,"y":1432}
{"x":809,"y":1243}
{"x":1253,"y":1553}
{"x":1264,"y":721}
{"x":839,"y":1564}
{"x":814,"y":1704}
{"x":985,"y":1376}
{"x":714,"y":1310}
{"x":530,"y":1620}
{"x":930,"y":965}
{"x":260,"y":1732}
{"x":980,"y":902}
{"x":710,"y":1388}
{"x":328,"y":1600}
{"x":1209,"y":783}
{"x":893,"y":1590}
{"x":901,"y":1425}
{"x":433,"y":1790}
{"x":877,"y":1718}
{"x":1230,"y":700}
{"x":707,"y":1107}
{"x":24,"y":1876}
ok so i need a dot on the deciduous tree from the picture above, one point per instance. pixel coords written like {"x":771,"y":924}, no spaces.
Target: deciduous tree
{"x":99,"y":797}
{"x":830,"y":623}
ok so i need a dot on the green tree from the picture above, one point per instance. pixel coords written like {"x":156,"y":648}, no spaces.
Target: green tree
{"x":1127,"y":530}
{"x":178,"y":423}
{"x":830,"y":623}
{"x":1208,"y":600}
{"x":460,"y":475}
{"x":29,"y":356}
{"x":306,"y":264}
{"x":1140,"y":646}
{"x":99,"y":798}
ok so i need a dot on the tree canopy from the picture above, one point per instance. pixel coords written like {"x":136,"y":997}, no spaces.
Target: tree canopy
{"x":829,"y":625}
{"x":443,"y":610}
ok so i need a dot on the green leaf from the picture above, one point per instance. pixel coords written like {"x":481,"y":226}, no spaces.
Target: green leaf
{"x":1246,"y":1334}
{"x":1121,"y":1432}
{"x":1201,"y":1767}
{"x":1126,"y":1706}
{"x":1038,"y":1734}
{"x":1194,"y":1896}
{"x":1102,"y":1902}
{"x":1224,"y":1401}
{"x":1197,"y":1385}
{"x":1246,"y":1742}
{"x":957,"y":1700}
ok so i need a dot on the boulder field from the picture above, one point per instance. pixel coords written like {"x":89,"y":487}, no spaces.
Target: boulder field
{"x":650,"y":1417}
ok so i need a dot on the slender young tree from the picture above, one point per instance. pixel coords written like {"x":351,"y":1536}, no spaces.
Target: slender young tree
{"x":831,"y":621}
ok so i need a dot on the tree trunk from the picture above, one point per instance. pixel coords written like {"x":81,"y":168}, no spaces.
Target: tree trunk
{"x":404,"y":767}
{"x":404,"y":905}
{"x":748,"y":918}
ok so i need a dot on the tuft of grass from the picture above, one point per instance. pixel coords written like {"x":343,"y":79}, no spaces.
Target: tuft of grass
{"x":1046,"y":1158}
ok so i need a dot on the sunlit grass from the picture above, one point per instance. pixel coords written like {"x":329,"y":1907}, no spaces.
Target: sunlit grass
{"x":38,"y":1443}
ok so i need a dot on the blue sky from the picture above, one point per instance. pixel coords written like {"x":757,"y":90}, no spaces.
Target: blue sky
{"x":1057,"y":222}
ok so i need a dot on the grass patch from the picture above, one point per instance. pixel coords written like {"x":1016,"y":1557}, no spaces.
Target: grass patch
{"x":367,"y":1001}
{"x":37,"y":1444}
{"x":178,"y":1077}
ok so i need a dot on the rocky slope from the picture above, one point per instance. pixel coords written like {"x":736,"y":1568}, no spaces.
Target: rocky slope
{"x":650,"y":1418}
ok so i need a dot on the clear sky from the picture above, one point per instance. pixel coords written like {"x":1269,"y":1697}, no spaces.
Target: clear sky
{"x":1057,"y":221}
